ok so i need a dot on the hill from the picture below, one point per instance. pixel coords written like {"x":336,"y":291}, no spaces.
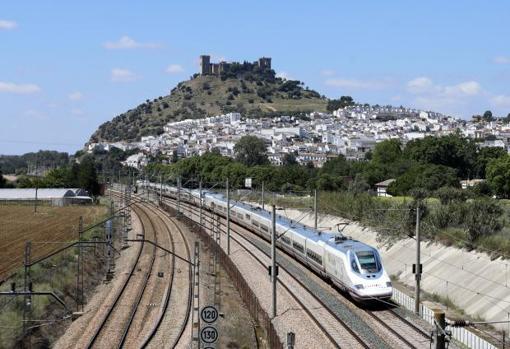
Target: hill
{"x":243,"y":87}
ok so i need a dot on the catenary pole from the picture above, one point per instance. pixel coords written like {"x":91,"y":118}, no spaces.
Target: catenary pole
{"x":273,"y":261}
{"x":262,"y":195}
{"x":200,"y":191}
{"x":417,"y":268}
{"x":315,"y":208}
{"x":228,"y":218}
{"x":178,"y":195}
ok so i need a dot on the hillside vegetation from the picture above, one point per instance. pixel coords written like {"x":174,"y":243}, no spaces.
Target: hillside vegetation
{"x":242,"y":88}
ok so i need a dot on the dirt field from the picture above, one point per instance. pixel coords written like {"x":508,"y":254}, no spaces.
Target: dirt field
{"x":46,"y":229}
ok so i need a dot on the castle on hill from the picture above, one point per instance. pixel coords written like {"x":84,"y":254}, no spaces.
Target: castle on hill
{"x":208,"y":68}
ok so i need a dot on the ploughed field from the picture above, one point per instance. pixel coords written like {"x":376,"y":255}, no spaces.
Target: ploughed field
{"x":48,"y":229}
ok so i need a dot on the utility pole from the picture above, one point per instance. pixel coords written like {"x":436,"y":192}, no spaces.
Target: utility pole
{"x":160,"y":188}
{"x":147,"y":186}
{"x":228,"y":218}
{"x":200,"y":190}
{"x":79,"y":272}
{"x":35,"y":202}
{"x":262,"y":195}
{"x":315,"y":208}
{"x":27,"y":304}
{"x":440,"y":321}
{"x":178,"y":195}
{"x":417,"y":267}
{"x":273,"y":261}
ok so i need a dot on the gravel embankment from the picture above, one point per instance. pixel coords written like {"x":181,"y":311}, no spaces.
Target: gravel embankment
{"x":81,"y":329}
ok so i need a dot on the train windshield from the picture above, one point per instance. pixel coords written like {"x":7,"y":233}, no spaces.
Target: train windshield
{"x":368,"y":261}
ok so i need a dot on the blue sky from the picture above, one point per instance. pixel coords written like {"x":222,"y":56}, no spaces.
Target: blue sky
{"x":66,"y":67}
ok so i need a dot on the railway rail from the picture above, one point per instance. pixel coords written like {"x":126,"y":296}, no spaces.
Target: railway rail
{"x":101,"y":333}
{"x":397,"y":327}
{"x":326,"y":320}
{"x":140,"y":316}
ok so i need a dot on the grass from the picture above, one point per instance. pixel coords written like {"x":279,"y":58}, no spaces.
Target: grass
{"x":390,"y":218}
{"x":56,"y":274}
{"x":200,"y":104}
{"x":45,"y":229}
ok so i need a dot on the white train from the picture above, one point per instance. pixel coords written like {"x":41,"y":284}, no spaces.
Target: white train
{"x":353,"y":266}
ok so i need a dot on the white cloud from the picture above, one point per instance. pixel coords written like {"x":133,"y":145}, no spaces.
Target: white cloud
{"x":502,"y":60}
{"x":500,"y":101}
{"x":327,"y":72}
{"x":7,"y":25}
{"x":453,"y":99}
{"x":420,"y":85}
{"x":22,"y":89}
{"x":123,"y":75}
{"x":126,"y":42}
{"x":358,"y":84}
{"x":174,"y":69}
{"x":75,"y":96}
{"x":425,"y":86}
{"x":468,"y":88}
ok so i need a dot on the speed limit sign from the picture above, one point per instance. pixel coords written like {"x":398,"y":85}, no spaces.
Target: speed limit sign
{"x":209,"y":314}
{"x":208,"y":335}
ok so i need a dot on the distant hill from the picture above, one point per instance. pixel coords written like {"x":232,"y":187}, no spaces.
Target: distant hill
{"x":243,"y":87}
{"x":32,"y":163}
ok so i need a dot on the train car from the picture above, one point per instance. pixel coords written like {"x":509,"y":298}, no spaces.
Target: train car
{"x":352,"y":265}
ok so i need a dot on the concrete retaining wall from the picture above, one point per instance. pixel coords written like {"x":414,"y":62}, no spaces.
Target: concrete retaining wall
{"x":470,"y":279}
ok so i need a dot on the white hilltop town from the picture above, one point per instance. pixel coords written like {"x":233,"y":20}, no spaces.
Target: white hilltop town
{"x":351,"y":131}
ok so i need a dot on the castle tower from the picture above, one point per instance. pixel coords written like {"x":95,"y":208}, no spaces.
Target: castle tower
{"x":205,"y":64}
{"x":265,"y":63}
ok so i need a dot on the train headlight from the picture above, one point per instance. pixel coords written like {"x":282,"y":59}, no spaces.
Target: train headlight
{"x":388,"y":284}
{"x":358,"y":287}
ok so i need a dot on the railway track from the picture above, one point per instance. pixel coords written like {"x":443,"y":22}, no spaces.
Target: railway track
{"x":327,"y":321}
{"x":105,"y":333}
{"x":141,"y":326}
{"x":398,"y":328}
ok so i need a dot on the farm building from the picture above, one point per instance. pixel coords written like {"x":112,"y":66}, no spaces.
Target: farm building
{"x":55,"y":197}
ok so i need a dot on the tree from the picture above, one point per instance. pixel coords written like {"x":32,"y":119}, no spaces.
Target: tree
{"x":3,"y":182}
{"x":338,"y":166}
{"x":344,"y":101}
{"x":447,"y":195}
{"x":251,"y":151}
{"x":289,"y":159}
{"x":507,"y":119}
{"x":453,"y":151}
{"x":498,"y":176}
{"x":387,"y":151}
{"x":87,"y":176}
{"x":483,"y":219}
{"x":424,"y":176}
{"x":487,"y":116}
{"x":484,"y":156}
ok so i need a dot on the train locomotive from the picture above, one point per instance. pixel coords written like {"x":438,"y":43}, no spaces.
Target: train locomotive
{"x":353,"y":266}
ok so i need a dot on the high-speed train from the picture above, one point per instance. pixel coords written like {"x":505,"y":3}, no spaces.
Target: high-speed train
{"x":353,"y":266}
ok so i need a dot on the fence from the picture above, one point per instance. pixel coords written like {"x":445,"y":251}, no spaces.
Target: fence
{"x":460,"y":334}
{"x":249,"y":298}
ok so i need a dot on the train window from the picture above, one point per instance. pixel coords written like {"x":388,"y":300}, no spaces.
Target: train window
{"x":255,"y":223}
{"x":354,"y":264}
{"x":264,"y":228}
{"x":247,"y":216}
{"x":286,"y":240}
{"x":368,"y":261}
{"x":298,"y":246}
{"x":314,"y":256}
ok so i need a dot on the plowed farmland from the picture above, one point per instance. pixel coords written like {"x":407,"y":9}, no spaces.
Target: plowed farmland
{"x":48,"y":230}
